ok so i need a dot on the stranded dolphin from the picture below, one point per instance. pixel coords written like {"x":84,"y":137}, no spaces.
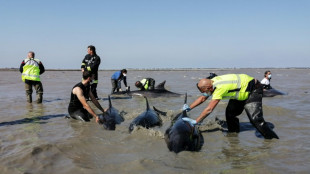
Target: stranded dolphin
{"x":272,"y":92}
{"x":159,"y":91}
{"x":110,"y":117}
{"x":182,"y":136}
{"x":148,"y":118}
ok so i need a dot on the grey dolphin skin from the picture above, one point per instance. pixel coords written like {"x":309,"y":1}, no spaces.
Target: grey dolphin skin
{"x":272,"y":92}
{"x":111,"y":117}
{"x":159,"y":91}
{"x":181,"y":136}
{"x":148,"y":118}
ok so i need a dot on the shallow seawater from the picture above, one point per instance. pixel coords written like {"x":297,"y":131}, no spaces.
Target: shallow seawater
{"x":37,"y":138}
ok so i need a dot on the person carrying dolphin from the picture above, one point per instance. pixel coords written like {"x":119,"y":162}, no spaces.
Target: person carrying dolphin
{"x":78,"y":107}
{"x":244,"y":93}
{"x":146,"y":84}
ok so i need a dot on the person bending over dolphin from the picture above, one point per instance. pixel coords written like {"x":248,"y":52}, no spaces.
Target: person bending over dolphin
{"x":243,"y":92}
{"x":146,"y":84}
{"x":78,"y":107}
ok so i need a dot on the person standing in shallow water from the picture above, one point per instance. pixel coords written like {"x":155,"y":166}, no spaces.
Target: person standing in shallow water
{"x":78,"y":107}
{"x":31,"y":70}
{"x":266,"y":80}
{"x":91,"y":63}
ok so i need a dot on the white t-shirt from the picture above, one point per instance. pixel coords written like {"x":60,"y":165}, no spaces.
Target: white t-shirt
{"x":265,"y":81}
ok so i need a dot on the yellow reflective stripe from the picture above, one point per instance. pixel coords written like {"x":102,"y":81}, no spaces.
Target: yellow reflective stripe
{"x":88,"y":68}
{"x":238,"y":82}
{"x":83,"y":64}
{"x":29,"y":75}
{"x":238,"y":86}
{"x":95,"y":81}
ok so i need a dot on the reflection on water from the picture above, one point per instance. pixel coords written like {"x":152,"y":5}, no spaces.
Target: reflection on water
{"x":37,"y":138}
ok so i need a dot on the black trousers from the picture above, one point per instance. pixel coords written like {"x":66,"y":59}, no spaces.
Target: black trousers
{"x":254,"y":110}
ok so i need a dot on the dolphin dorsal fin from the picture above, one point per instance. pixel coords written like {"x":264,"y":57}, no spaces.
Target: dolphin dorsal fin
{"x":147,"y":103}
{"x":161,"y":85}
{"x":185,"y":101}
{"x":110,"y":103}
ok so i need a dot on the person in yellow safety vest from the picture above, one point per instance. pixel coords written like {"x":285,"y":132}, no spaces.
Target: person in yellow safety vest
{"x":244,"y":93}
{"x":146,"y":84}
{"x":91,"y":62}
{"x":31,"y":70}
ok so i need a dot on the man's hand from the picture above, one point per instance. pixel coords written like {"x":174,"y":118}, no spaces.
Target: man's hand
{"x":186,"y":108}
{"x":97,"y":119}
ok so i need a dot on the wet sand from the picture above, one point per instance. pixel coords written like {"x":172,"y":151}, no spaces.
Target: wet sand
{"x":36,"y":138}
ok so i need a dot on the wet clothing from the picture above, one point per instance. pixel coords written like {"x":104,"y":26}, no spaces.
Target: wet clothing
{"x":147,"y":84}
{"x":244,"y":93}
{"x":76,"y":109}
{"x":266,"y":83}
{"x":31,"y":70}
{"x":116,"y":79}
{"x":37,"y":86}
{"x":91,"y":63}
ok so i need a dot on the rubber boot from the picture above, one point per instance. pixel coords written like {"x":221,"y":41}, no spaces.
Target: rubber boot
{"x":29,"y":98}
{"x":39,"y":98}
{"x":255,"y":114}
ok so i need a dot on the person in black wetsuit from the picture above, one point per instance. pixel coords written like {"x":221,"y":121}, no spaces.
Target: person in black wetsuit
{"x":91,"y":63}
{"x":78,"y":107}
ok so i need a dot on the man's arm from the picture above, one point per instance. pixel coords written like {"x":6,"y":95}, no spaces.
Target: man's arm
{"x":198,"y":101}
{"x":41,"y":67}
{"x":21,"y":67}
{"x":79,"y":93}
{"x":95,"y":101}
{"x":125,"y":81}
{"x":208,"y":110}
{"x":83,"y":64}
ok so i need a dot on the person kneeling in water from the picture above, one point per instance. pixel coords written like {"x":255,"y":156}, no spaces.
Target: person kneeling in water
{"x":78,"y":107}
{"x":146,"y":84}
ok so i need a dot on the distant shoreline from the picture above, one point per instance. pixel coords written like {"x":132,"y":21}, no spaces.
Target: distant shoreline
{"x":159,"y":69}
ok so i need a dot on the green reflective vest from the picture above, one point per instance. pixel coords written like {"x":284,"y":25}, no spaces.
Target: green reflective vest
{"x":31,"y":70}
{"x":231,"y":86}
{"x":145,"y":83}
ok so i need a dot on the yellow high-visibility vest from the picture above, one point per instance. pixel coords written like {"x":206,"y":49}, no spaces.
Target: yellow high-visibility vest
{"x":231,"y":86}
{"x":31,"y":70}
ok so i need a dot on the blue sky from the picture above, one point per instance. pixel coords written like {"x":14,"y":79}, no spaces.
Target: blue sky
{"x":157,"y":33}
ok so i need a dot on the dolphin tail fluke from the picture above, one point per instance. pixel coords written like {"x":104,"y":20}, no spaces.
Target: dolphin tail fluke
{"x":159,"y":111}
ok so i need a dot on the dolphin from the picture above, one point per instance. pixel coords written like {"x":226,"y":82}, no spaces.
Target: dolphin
{"x":272,"y":92}
{"x":182,"y":136}
{"x":111,"y":117}
{"x":159,"y":91}
{"x":148,"y":118}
